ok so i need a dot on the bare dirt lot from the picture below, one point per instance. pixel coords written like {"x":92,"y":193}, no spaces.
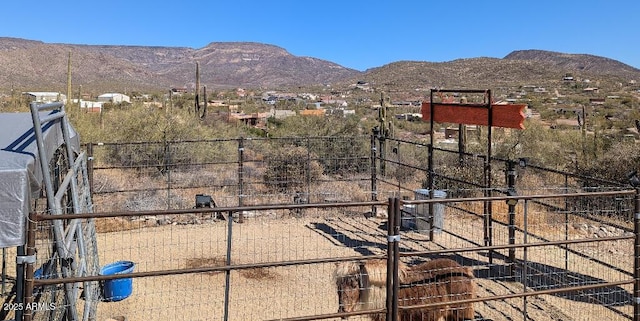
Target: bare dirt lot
{"x":283,"y":292}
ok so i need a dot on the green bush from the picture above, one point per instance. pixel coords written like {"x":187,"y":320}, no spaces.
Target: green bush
{"x":290,"y":169}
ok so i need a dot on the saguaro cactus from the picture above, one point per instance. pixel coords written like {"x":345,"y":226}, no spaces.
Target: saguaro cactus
{"x":69,"y":80}
{"x":197,"y":94}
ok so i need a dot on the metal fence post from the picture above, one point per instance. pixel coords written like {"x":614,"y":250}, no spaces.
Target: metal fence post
{"x":396,"y":257}
{"x":525,"y":257}
{"x":393,"y":257}
{"x":240,"y":178}
{"x":390,"y":272}
{"x":307,"y":172}
{"x":29,"y":271}
{"x":90,"y":167}
{"x":227,"y":273}
{"x":167,"y":167}
{"x":511,"y":187}
{"x":636,"y":256}
{"x":374,"y":171}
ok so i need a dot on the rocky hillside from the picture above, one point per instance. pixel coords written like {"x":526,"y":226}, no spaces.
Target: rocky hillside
{"x":230,"y":65}
{"x":34,"y":65}
{"x":519,"y":68}
{"x":577,"y":63}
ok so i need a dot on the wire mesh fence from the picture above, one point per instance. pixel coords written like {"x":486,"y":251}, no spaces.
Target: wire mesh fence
{"x":275,"y":265}
{"x":168,"y":175}
{"x":283,"y":212}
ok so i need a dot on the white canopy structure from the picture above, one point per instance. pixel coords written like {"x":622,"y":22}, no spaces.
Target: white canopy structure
{"x":21,"y":176}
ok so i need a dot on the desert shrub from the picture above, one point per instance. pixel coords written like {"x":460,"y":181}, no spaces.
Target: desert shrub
{"x":614,"y":164}
{"x":340,"y":143}
{"x":166,"y":137}
{"x":346,"y":155}
{"x":290,"y":169}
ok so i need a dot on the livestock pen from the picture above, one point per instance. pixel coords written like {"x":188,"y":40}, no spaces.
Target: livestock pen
{"x":281,"y":213}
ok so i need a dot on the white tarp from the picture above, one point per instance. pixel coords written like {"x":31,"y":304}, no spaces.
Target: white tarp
{"x":20,"y":173}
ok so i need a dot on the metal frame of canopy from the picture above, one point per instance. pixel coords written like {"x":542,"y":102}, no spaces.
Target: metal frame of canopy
{"x":28,"y":148}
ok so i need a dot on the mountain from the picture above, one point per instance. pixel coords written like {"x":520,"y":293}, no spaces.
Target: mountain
{"x":519,"y":68}
{"x":230,"y":65}
{"x":576,"y":62}
{"x":35,"y":65}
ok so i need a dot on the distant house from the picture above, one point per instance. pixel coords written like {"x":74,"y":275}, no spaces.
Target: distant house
{"x":282,"y":113}
{"x":254,"y":119}
{"x":114,"y":98}
{"x":409,"y":116}
{"x":363,"y":85}
{"x":312,"y":112}
{"x":45,"y":96}
{"x":340,"y":112}
{"x":271,"y":100}
{"x":90,"y":106}
{"x":178,"y":91}
{"x":401,"y":103}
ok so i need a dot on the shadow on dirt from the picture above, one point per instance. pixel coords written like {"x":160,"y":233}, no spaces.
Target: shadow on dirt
{"x":535,"y":275}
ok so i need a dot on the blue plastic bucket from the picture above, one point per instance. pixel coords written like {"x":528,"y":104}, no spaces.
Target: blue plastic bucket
{"x":117,"y":289}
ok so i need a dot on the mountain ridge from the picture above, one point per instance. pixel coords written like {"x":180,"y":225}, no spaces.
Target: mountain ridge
{"x":35,"y":65}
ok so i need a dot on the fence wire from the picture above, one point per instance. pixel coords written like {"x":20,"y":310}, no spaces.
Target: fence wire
{"x":266,"y":263}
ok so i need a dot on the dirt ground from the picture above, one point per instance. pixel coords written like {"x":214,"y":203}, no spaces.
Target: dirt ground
{"x":273,"y":293}
{"x":284,"y":292}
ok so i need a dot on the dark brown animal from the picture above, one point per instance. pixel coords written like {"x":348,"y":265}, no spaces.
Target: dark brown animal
{"x":362,"y":286}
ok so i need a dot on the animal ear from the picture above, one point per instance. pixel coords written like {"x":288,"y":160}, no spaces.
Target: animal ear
{"x":469,"y":270}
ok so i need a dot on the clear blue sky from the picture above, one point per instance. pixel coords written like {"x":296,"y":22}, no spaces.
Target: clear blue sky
{"x":355,"y":34}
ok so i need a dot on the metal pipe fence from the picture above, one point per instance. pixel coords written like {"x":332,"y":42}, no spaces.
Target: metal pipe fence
{"x":280,"y":267}
{"x":281,"y":213}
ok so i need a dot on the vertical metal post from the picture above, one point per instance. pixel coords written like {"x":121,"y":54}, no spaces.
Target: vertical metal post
{"x":391,"y":217}
{"x":396,"y":257}
{"x":525,"y":257}
{"x":636,"y":256}
{"x":487,"y":180}
{"x":169,"y":188}
{"x":307,"y":171}
{"x":430,"y":178}
{"x":227,"y":273}
{"x":462,"y":139}
{"x":374,"y":170}
{"x":20,"y":278}
{"x":166,"y":167}
{"x":4,"y":271}
{"x":383,"y":154}
{"x":240,"y":179}
{"x":90,"y":167}
{"x":511,"y":186}
{"x":29,"y":271}
{"x":566,"y":224}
